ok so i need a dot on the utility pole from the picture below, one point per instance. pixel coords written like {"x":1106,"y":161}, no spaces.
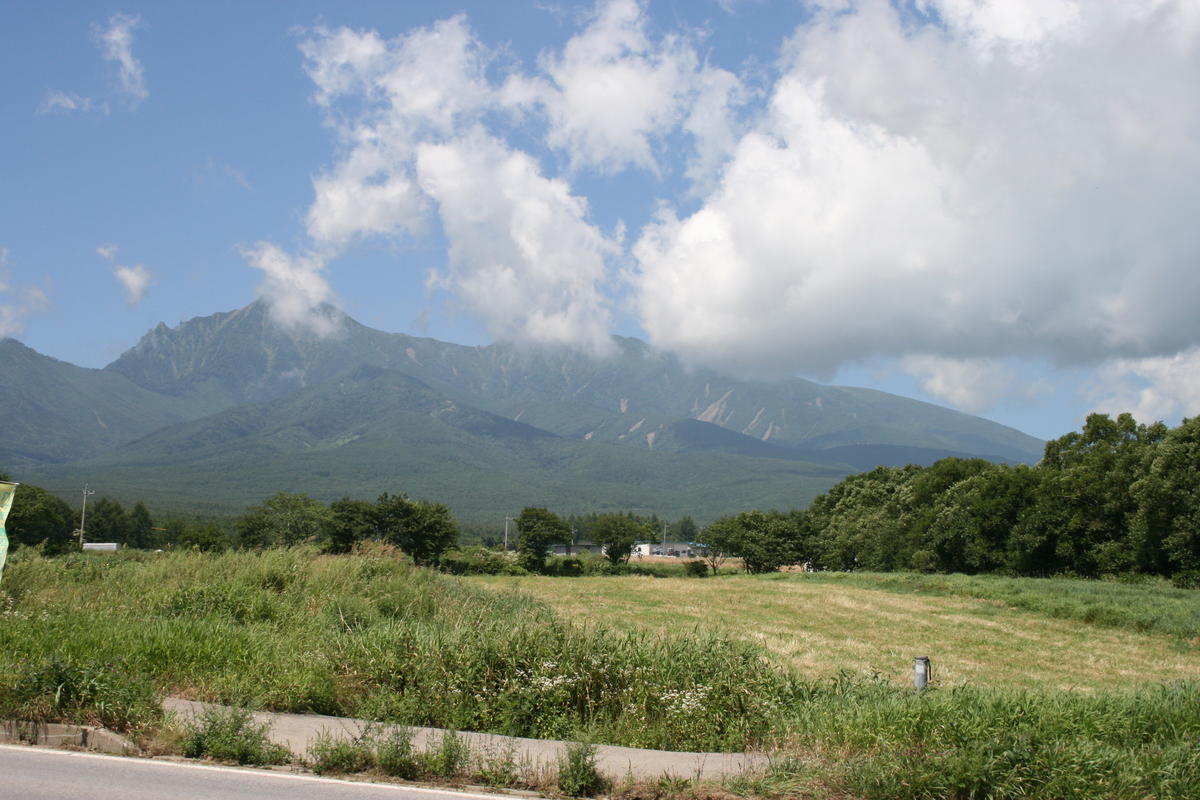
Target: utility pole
{"x":83,"y":514}
{"x":664,"y":538}
{"x":506,"y":521}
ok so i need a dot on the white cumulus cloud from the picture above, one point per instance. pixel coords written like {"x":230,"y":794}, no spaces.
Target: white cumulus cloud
{"x":971,"y":384}
{"x":523,"y":257}
{"x":1161,"y":387}
{"x":423,"y":120}
{"x":294,"y":288}
{"x":1014,"y":181}
{"x":612,"y":90}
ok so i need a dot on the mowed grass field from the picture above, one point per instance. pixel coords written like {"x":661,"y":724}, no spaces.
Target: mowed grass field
{"x":986,"y":632}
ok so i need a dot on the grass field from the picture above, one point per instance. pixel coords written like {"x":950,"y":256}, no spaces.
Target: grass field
{"x":1020,"y":633}
{"x":780,"y":664}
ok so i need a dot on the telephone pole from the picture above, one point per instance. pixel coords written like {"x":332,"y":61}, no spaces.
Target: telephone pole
{"x":506,"y":521}
{"x":83,"y":514}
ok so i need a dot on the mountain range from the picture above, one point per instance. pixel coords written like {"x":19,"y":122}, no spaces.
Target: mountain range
{"x":221,"y":411}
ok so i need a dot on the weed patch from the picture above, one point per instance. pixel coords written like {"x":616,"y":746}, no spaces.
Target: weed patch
{"x":338,"y":756}
{"x":577,"y":773}
{"x":231,"y":735}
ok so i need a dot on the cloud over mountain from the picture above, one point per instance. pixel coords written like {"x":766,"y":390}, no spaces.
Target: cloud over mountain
{"x":955,"y":186}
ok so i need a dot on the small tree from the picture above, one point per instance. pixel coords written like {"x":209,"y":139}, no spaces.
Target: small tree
{"x":141,"y":531}
{"x":423,"y":530}
{"x":764,"y":541}
{"x":432,"y":531}
{"x":108,"y":522}
{"x":207,"y":537}
{"x":538,"y":529}
{"x":353,"y":521}
{"x":286,"y":519}
{"x":684,"y":530}
{"x":616,"y":533}
{"x":717,"y":541}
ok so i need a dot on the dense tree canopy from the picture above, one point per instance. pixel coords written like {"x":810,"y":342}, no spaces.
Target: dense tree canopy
{"x":1115,"y":497}
{"x":423,"y":530}
{"x":538,"y":529}
{"x":286,"y":519}
{"x":764,"y":540}
{"x":37,"y":516}
{"x":617,"y":533}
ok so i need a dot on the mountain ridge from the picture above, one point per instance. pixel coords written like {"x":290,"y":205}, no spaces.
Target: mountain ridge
{"x":561,"y":390}
{"x":234,"y":400}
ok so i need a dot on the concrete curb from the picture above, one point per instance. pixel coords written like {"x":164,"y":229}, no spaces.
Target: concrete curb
{"x":298,"y":732}
{"x":55,"y":734}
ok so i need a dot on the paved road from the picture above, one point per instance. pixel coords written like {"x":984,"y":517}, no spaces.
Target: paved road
{"x":30,"y":773}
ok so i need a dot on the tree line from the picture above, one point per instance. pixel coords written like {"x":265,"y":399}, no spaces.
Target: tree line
{"x":424,"y":530}
{"x":1117,"y":497}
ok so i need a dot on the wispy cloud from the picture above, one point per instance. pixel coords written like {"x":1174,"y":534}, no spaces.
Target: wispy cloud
{"x":116,"y":45}
{"x":57,"y":102}
{"x":16,"y":303}
{"x":135,"y":280}
{"x":115,"y":40}
{"x":218,"y":171}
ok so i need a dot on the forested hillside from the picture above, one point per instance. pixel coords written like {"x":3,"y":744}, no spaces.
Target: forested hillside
{"x":1115,"y":498}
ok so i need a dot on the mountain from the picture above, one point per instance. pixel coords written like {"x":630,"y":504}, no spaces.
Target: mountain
{"x":373,"y":430}
{"x":57,"y":412}
{"x":632,"y":397}
{"x":223,"y":410}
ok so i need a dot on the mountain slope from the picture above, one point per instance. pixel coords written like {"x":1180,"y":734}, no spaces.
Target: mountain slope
{"x":632,"y":397}
{"x":373,"y":430}
{"x":220,"y":411}
{"x":55,"y":412}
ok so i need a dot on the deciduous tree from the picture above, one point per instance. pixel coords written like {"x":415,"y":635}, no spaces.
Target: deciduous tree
{"x":539,"y":528}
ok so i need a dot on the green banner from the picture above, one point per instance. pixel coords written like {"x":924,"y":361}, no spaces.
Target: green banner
{"x":7,"y":490}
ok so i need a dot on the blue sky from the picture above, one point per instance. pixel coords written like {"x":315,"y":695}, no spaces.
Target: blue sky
{"x":990,"y":205}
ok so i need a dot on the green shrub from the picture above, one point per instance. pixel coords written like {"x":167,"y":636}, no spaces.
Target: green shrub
{"x":695,"y":569}
{"x":394,"y":754}
{"x":577,"y":773}
{"x":231,"y":735}
{"x":500,"y":768}
{"x":563,"y":567}
{"x":331,"y":755}
{"x":451,"y":757}
{"x":1186,"y":579}
{"x":479,"y":561}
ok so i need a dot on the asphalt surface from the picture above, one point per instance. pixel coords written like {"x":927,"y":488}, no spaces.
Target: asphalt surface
{"x":31,"y":773}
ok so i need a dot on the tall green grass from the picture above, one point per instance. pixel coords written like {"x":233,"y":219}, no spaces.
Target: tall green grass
{"x":1149,"y":606}
{"x":879,"y":741}
{"x":370,"y":636}
{"x":104,"y":637}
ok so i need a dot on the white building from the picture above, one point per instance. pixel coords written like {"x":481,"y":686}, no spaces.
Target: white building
{"x":676,"y":549}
